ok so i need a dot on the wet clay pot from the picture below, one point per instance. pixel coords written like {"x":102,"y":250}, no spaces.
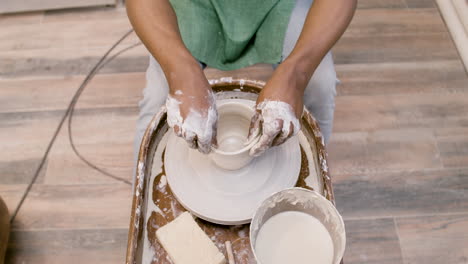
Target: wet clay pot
{"x":233,"y":148}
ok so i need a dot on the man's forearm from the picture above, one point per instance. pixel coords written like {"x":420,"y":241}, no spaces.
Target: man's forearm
{"x":325,"y":23}
{"x":155,"y":23}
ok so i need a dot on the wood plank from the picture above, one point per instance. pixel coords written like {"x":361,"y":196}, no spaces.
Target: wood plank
{"x":116,"y":159}
{"x":434,"y":239}
{"x":453,"y":146}
{"x":9,"y":6}
{"x":68,"y":61}
{"x":395,"y":22}
{"x":85,"y":34}
{"x":46,"y":94}
{"x":11,"y":195}
{"x":402,"y":78}
{"x":31,"y":131}
{"x":395,"y":35}
{"x":113,"y":91}
{"x":110,"y":149}
{"x":18,"y":171}
{"x":372,"y":241}
{"x":397,"y":48}
{"x":102,"y":125}
{"x":36,"y":94}
{"x":368,"y":4}
{"x":75,"y":207}
{"x":403,"y":193}
{"x":421,"y":3}
{"x":382,"y":151}
{"x":68,"y":246}
{"x":25,"y":137}
{"x":442,"y":132}
{"x":86,"y":13}
{"x":400,"y":111}
{"x":22,"y":18}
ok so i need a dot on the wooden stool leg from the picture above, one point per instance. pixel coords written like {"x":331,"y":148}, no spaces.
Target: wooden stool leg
{"x":4,"y":230}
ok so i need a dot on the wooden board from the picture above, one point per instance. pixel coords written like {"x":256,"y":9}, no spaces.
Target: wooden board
{"x":383,"y":57}
{"x":11,"y":6}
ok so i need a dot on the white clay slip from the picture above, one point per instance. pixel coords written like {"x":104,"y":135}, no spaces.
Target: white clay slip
{"x":310,"y":227}
{"x":294,"y":237}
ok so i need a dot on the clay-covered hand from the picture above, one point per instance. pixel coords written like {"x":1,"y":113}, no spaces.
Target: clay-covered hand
{"x":191,"y":112}
{"x":279,"y":107}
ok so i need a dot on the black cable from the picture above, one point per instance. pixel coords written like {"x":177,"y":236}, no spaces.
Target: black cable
{"x":72,"y":111}
{"x":69,"y":110}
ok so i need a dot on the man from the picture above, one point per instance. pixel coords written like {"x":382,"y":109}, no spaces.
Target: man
{"x":295,"y":36}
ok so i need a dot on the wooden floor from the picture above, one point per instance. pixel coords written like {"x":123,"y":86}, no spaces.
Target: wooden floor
{"x":398,"y":155}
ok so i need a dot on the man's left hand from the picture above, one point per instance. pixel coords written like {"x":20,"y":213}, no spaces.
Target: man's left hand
{"x":279,"y":108}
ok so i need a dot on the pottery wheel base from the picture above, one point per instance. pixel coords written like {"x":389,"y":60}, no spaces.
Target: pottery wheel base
{"x":223,"y":196}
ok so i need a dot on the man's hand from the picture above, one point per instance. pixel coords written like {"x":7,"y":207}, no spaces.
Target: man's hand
{"x":191,"y":109}
{"x":279,"y":108}
{"x":279,"y":105}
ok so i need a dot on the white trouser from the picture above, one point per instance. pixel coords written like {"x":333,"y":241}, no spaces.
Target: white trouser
{"x":319,"y":96}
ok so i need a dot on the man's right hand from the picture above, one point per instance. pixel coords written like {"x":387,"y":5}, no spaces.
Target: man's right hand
{"x":191,"y":108}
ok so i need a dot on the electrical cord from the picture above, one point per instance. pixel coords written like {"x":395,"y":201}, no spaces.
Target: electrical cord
{"x":69,"y":113}
{"x":72,"y":111}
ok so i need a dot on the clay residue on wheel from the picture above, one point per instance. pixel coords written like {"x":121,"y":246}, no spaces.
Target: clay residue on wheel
{"x":170,"y":208}
{"x":151,"y":227}
{"x":305,"y":171}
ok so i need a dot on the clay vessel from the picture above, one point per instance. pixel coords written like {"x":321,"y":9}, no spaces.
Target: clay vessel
{"x":232,"y":152}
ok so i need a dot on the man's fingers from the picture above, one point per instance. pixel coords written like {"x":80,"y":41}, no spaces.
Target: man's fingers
{"x":261,"y":146}
{"x":207,"y":137}
{"x":269,"y":133}
{"x":214,"y":138}
{"x":177,"y":130}
{"x":204,"y":145}
{"x":280,"y":139}
{"x":204,"y":148}
{"x":254,"y":126}
{"x":286,"y":132}
{"x":191,"y":139}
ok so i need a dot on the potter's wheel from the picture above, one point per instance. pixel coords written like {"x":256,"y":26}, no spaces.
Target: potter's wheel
{"x":228,"y":197}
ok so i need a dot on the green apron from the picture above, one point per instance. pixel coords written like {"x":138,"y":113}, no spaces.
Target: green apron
{"x":231,"y":34}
